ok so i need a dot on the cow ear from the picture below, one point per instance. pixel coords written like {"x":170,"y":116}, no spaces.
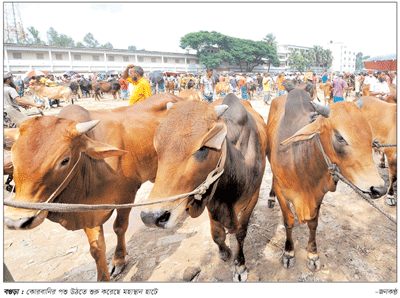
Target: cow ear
{"x":12,"y":133}
{"x":215,"y":137}
{"x":307,"y":132}
{"x":100,"y":150}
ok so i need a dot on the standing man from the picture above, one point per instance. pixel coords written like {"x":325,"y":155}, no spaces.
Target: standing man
{"x":267,"y":83}
{"x":380,"y":88}
{"x":134,"y":75}
{"x":260,"y":84}
{"x":243,"y":86}
{"x":281,"y":89}
{"x":324,"y":78}
{"x":207,"y":86}
{"x":12,"y":98}
{"x":124,"y":87}
{"x":338,"y":85}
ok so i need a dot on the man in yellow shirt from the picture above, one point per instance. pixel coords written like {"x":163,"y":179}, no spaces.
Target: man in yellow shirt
{"x":142,"y":89}
{"x":281,"y":89}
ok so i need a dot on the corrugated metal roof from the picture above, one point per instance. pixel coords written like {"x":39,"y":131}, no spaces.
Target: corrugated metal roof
{"x":382,"y":58}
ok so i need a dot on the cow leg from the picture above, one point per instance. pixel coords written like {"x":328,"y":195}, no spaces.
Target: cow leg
{"x":46,"y":103}
{"x":392,"y":163}
{"x":98,"y":251}
{"x":219,"y":235}
{"x":239,"y":261}
{"x":120,"y":226}
{"x":288,"y":258}
{"x":382,"y":161}
{"x":313,"y":261}
{"x":272,"y":195}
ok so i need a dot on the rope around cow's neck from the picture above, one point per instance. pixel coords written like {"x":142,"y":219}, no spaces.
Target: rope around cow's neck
{"x":335,"y":172}
{"x":61,"y":207}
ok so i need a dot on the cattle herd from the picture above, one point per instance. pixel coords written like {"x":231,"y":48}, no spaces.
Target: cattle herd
{"x":96,"y":157}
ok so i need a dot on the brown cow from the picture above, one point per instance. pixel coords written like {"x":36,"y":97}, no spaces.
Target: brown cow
{"x":328,"y":92}
{"x":384,"y":129}
{"x":170,"y":86}
{"x":222,"y":88}
{"x":300,"y":172}
{"x":46,"y":93}
{"x":187,"y":155}
{"x":189,"y":94}
{"x":117,"y":156}
{"x":113,"y":87}
{"x":392,"y":96}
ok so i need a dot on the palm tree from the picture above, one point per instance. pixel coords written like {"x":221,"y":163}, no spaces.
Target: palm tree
{"x":271,"y":40}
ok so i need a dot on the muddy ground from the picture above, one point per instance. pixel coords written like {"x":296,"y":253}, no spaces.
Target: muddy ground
{"x":356,"y":243}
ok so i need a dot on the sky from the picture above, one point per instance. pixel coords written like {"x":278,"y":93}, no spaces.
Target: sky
{"x":369,"y":28}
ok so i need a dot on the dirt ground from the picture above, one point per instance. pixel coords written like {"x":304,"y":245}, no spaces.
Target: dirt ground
{"x":356,"y":243}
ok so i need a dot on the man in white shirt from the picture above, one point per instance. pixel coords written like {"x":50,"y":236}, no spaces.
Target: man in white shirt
{"x":370,"y":79}
{"x":380,"y":88}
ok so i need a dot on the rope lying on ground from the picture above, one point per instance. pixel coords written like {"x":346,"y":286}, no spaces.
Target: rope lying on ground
{"x":335,"y":172}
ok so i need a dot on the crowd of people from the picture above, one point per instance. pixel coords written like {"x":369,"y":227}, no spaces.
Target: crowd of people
{"x":137,"y":86}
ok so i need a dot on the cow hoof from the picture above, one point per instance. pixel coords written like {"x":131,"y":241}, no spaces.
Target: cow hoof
{"x":314,"y":264}
{"x":288,"y":260}
{"x":271,"y":203}
{"x":225,"y":255}
{"x":390,"y":200}
{"x":115,"y":270}
{"x":240,"y":273}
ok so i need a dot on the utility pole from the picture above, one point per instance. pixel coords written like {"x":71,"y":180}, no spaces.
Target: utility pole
{"x":15,"y":23}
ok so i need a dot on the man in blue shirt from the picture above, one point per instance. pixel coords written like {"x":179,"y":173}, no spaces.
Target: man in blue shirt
{"x":324,"y":78}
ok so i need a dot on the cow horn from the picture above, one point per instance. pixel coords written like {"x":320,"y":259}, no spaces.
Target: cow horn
{"x":16,"y":116}
{"x":220,"y":110}
{"x":320,"y":109}
{"x":84,"y":127}
{"x":169,"y":105}
{"x":359,"y":102}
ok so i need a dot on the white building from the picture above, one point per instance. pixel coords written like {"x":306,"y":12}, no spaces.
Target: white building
{"x":21,"y":58}
{"x":344,"y":58}
{"x":284,"y":52}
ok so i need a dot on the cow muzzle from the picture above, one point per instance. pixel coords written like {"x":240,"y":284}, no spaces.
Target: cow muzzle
{"x":377,"y":192}
{"x":14,"y":222}
{"x":155,"y":219}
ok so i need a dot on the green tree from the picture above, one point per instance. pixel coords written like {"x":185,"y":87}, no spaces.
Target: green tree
{"x":301,"y":60}
{"x":213,"y":48}
{"x":132,"y":48}
{"x":90,"y":41}
{"x":107,"y":45}
{"x":79,"y":44}
{"x":272,"y":59}
{"x":33,"y":37}
{"x":359,"y":61}
{"x":62,"y":40}
{"x":52,"y":36}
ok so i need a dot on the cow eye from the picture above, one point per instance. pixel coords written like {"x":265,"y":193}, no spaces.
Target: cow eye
{"x":65,"y":161}
{"x":340,"y":139}
{"x":201,"y":154}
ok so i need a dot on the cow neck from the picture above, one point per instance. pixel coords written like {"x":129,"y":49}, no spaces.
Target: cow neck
{"x":333,"y":168}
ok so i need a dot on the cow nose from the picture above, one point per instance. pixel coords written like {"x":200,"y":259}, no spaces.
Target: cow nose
{"x":18,"y":224}
{"x":158,"y":219}
{"x":377,"y":192}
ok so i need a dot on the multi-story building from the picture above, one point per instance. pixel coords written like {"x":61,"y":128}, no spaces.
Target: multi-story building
{"x":344,"y":58}
{"x":21,"y":58}
{"x":284,"y":52}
